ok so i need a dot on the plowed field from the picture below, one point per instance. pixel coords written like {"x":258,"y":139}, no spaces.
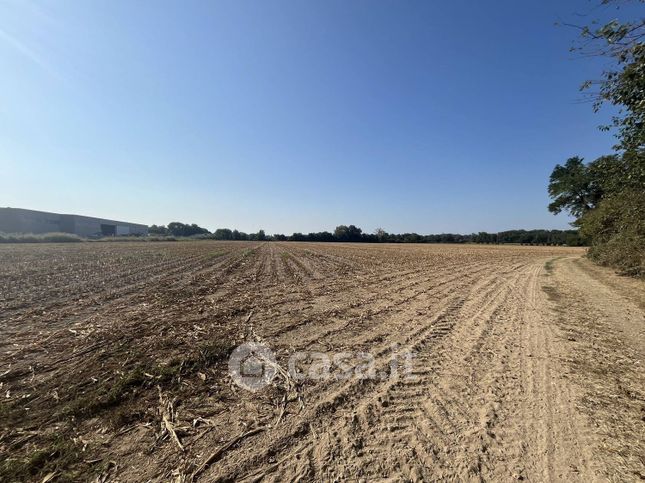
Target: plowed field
{"x":520,"y":363}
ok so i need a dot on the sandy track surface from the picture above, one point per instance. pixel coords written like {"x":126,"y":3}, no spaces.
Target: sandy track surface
{"x":527,"y":363}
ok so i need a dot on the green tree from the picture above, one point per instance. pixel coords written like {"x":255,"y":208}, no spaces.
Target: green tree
{"x":181,"y":229}
{"x":158,"y":230}
{"x":381,"y":234}
{"x":607,"y":197}
{"x":223,"y":234}
{"x":622,"y":83}
{"x":349,"y":233}
{"x":572,"y":188}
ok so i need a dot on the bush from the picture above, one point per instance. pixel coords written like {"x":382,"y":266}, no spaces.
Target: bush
{"x":41,"y":238}
{"x":617,"y":227}
{"x":133,"y":238}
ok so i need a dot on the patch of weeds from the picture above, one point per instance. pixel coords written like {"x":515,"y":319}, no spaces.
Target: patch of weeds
{"x":548,"y":266}
{"x":7,"y":409}
{"x":285,"y":255}
{"x":205,"y":356}
{"x":131,"y":379}
{"x":215,"y":352}
{"x":110,"y":396}
{"x":552,"y":293}
{"x":167,"y":372}
{"x":56,"y":454}
{"x":12,"y":412}
{"x":107,"y":397}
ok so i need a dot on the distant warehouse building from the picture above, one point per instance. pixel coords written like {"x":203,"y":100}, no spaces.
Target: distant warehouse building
{"x":17,"y":220}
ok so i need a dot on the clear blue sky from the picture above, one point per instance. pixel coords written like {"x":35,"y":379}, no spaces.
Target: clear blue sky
{"x":426,"y":116}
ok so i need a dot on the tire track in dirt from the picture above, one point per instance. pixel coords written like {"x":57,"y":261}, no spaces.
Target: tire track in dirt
{"x":550,"y":424}
{"x":450,"y":421}
{"x":414,"y":409}
{"x":353,"y":391}
{"x":594,"y":332}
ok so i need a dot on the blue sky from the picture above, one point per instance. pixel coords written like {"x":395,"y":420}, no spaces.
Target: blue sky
{"x":426,"y":116}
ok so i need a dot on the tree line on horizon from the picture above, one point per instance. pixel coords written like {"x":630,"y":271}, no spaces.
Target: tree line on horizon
{"x":354,"y":234}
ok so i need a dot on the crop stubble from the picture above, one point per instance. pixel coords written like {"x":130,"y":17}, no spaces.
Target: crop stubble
{"x":119,"y":351}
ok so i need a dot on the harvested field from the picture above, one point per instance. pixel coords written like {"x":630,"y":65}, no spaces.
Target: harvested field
{"x":527,"y":363}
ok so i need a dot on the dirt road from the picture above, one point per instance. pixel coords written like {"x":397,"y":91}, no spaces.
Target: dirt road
{"x":524,"y":363}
